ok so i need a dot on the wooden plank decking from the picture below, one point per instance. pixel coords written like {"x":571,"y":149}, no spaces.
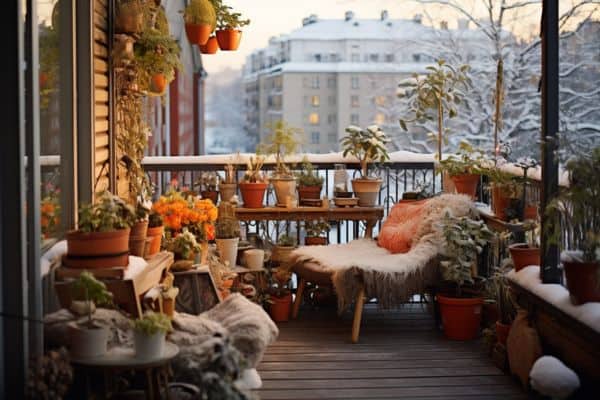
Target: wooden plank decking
{"x":400,"y":356}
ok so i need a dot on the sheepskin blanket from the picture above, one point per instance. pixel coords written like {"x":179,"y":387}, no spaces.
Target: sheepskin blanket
{"x":391,"y":278}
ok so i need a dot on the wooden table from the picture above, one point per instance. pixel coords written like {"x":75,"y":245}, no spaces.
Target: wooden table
{"x":371,"y":215}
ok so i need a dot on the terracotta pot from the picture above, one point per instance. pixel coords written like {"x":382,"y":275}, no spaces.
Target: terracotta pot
{"x":582,"y":281}
{"x":97,"y":249}
{"x":129,"y":22}
{"x":367,"y":191}
{"x":228,"y":190}
{"x":156,"y":234}
{"x":211,"y":46}
{"x":309,"y":192}
{"x":253,"y":194}
{"x":280,"y":308}
{"x":500,"y":202}
{"x":169,"y":307}
{"x":281,"y":254}
{"x":158,"y":83}
{"x":140,"y":228}
{"x":489,"y":314}
{"x":523,"y":255}
{"x":447,"y":183}
{"x":229,"y":39}
{"x":198,"y":33}
{"x":466,"y":184}
{"x":502,"y":331}
{"x":461,"y":318}
{"x":284,"y":187}
{"x":315,"y":241}
{"x":213,"y":195}
{"x":137,"y":238}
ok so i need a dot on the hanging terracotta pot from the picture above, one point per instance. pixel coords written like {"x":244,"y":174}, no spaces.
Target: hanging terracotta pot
{"x":211,"y":46}
{"x":582,"y":281}
{"x":280,"y":308}
{"x":198,"y":33}
{"x":253,"y":193}
{"x":523,"y":255}
{"x":229,"y":39}
{"x":158,"y":83}
{"x":461,"y":317}
{"x":466,"y":184}
{"x":156,"y":234}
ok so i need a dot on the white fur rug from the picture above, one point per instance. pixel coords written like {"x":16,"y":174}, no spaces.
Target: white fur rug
{"x":391,"y":278}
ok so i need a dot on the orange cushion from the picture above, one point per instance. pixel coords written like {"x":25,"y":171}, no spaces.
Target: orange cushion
{"x":402,"y":224}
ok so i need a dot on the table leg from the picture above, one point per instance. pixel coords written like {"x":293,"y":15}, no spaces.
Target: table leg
{"x":358,"y":309}
{"x":369,"y":228}
{"x":298,"y":300}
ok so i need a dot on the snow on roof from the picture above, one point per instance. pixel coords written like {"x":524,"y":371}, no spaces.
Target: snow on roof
{"x":352,"y":67}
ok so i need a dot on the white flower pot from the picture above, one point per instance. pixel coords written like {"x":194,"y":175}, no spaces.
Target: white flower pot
{"x":228,"y":249}
{"x":87,"y":342}
{"x":149,"y":346}
{"x":284,"y":187}
{"x":367,"y":191}
{"x":254,"y":258}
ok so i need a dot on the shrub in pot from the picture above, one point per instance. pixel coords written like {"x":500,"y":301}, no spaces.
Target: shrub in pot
{"x":227,"y":234}
{"x":155,"y":232}
{"x":102,"y":237}
{"x":254,"y":183}
{"x":367,"y":145}
{"x":316,"y":232}
{"x":577,"y":210}
{"x":157,"y":59}
{"x":200,"y":21}
{"x":464,"y":169}
{"x":89,"y":339}
{"x":150,"y":333}
{"x":309,"y":182}
{"x":506,"y":193}
{"x":229,"y":23}
{"x":464,"y":239}
{"x":280,"y":295}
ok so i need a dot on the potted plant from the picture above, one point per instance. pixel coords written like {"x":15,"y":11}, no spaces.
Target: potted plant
{"x":129,"y":17}
{"x":168,"y":293}
{"x":229,"y":23}
{"x":139,"y":231}
{"x":367,"y":145}
{"x":209,"y":182}
{"x":227,"y":234}
{"x":157,"y":58}
{"x":577,"y":210}
{"x":309,"y":182}
{"x":228,"y":186}
{"x":89,"y":339}
{"x":211,"y":46}
{"x":499,"y":291}
{"x":464,"y":168}
{"x":281,"y":142}
{"x":283,"y":248}
{"x":280,"y":296}
{"x":184,"y":245}
{"x":316,"y":232}
{"x":254,"y":183}
{"x":464,"y":239}
{"x":525,"y":254}
{"x":155,"y":232}
{"x":200,"y":21}
{"x":102,"y":237}
{"x":150,"y":333}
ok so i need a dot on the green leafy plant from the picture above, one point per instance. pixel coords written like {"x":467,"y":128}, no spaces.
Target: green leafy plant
{"x":156,"y":53}
{"x":227,"y":225}
{"x":435,"y":96}
{"x":226,"y":19}
{"x":152,"y":323}
{"x":286,"y":240}
{"x":368,"y":145}
{"x":90,"y":290}
{"x":201,"y":12}
{"x":316,"y":228}
{"x":109,"y":213}
{"x":281,"y":142}
{"x":467,"y":160}
{"x":184,"y":244}
{"x":308,"y":176}
{"x":464,"y":239}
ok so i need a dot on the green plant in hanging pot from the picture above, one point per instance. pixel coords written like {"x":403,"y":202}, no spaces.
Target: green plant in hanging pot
{"x":464,"y":168}
{"x":309,"y":182}
{"x":367,"y":145}
{"x":157,"y":59}
{"x":200,"y":21}
{"x":229,"y":23}
{"x":281,"y":143}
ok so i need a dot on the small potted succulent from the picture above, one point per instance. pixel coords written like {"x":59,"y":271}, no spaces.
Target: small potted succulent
{"x":209,"y":183}
{"x":102,"y":237}
{"x":464,"y":168}
{"x":367,"y":145}
{"x":283,"y":248}
{"x":281,"y":142}
{"x":229,"y":23}
{"x":309,"y":182}
{"x":150,"y":333}
{"x":88,"y":339}
{"x":316,"y":232}
{"x":577,"y":211}
{"x":228,"y":186}
{"x":184,"y":245}
{"x":464,"y":239}
{"x":280,"y":295}
{"x":157,"y":58}
{"x":525,"y":254}
{"x":200,"y":21}
{"x":254,"y":183}
{"x":139,"y":231}
{"x":227,"y":234}
{"x":155,"y":232}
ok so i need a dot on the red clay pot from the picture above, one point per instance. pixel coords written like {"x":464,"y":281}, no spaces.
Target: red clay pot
{"x":500,"y":202}
{"x":280,"y":308}
{"x":253,"y":193}
{"x":95,"y":250}
{"x":582,"y":281}
{"x":198,"y":33}
{"x":523,"y":255}
{"x":155,"y":234}
{"x":466,"y":184}
{"x":212,"y":195}
{"x":309,"y":192}
{"x":211,"y":46}
{"x":461,"y":318}
{"x":315,"y":241}
{"x":502,"y":331}
{"x":229,"y":39}
{"x":158,"y":83}
{"x":137,"y":238}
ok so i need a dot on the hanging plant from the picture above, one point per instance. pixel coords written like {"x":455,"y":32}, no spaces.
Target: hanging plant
{"x":129,"y":16}
{"x":157,"y":58}
{"x":229,"y":23}
{"x":200,"y":21}
{"x":156,"y":18}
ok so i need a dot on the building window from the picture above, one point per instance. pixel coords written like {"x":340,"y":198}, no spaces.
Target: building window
{"x":314,"y":82}
{"x":332,"y":137}
{"x":331,"y":119}
{"x":333,"y":57}
{"x":374,"y":57}
{"x":354,"y":120}
{"x":313,"y":118}
{"x":318,"y":57}
{"x":355,"y":57}
{"x":315,"y":138}
{"x":389,"y":58}
{"x":354,"y":101}
{"x":416,"y":57}
{"x":379,"y":100}
{"x":331,"y":82}
{"x":379,"y":119}
{"x":354,"y":82}
{"x":315,"y":101}
{"x":331,"y":100}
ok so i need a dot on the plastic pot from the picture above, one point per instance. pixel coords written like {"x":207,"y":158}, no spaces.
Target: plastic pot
{"x":461,"y":317}
{"x":211,"y":46}
{"x":198,"y":33}
{"x":582,"y":281}
{"x":95,"y":250}
{"x":229,"y":39}
{"x":466,"y":184}
{"x":156,"y":234}
{"x":280,"y":308}
{"x":253,"y":194}
{"x":523,"y":255}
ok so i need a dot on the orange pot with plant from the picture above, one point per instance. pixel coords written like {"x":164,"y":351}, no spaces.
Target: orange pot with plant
{"x":229,"y":39}
{"x":211,"y":46}
{"x":281,"y":307}
{"x":524,"y":255}
{"x":466,"y":184}
{"x":200,"y":20}
{"x":228,"y":28}
{"x":463,"y":169}
{"x":158,"y":83}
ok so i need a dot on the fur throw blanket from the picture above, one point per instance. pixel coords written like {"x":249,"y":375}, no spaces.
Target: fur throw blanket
{"x":391,"y":278}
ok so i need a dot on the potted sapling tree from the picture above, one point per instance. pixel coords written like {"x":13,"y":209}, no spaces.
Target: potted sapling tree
{"x":227,"y":234}
{"x":316,"y":232}
{"x":464,"y":168}
{"x":200,"y":21}
{"x":150,"y":333}
{"x":309,"y":182}
{"x":88,"y":338}
{"x":254,"y":183}
{"x":228,"y":33}
{"x":367,"y":145}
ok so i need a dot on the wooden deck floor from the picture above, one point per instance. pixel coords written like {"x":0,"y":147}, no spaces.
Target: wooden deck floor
{"x":400,"y":356}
